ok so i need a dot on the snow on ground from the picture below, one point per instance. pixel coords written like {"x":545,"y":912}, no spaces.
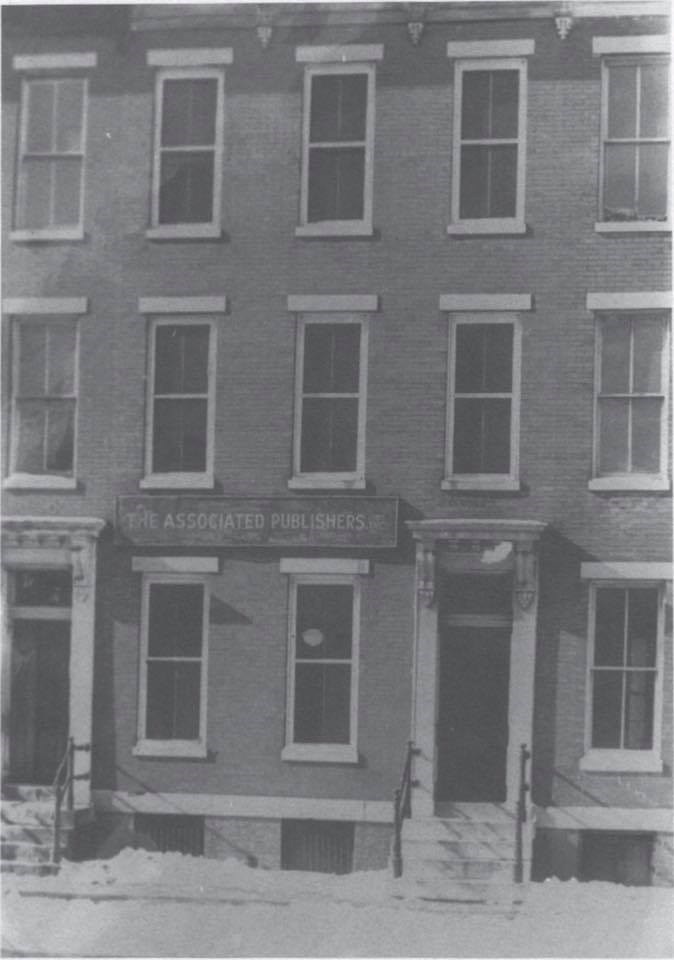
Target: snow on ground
{"x":121,"y":907}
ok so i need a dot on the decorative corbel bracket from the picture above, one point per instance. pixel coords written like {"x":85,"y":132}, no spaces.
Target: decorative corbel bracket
{"x":415,"y":28}
{"x":563,"y":21}
{"x":264,"y":34}
{"x":525,"y":574}
{"x":426,"y":573}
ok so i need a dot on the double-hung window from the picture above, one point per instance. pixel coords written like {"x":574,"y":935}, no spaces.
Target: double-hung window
{"x":489,"y":144}
{"x":631,"y":401}
{"x":180,"y":406}
{"x":51,"y":158}
{"x":44,"y":401}
{"x":324,"y":637}
{"x":174,"y":666}
{"x":635,"y":141}
{"x":483,"y":403}
{"x":188,"y":142}
{"x":329,"y":444}
{"x":338,"y":140}
{"x":625,"y":676}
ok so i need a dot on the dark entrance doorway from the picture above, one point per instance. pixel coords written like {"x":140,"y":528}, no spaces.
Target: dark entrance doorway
{"x":39,"y":701}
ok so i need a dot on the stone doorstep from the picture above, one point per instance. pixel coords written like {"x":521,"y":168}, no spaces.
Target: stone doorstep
{"x":34,"y":868}
{"x":487,"y":870}
{"x":427,"y":849}
{"x":21,"y":851}
{"x":433,"y":829}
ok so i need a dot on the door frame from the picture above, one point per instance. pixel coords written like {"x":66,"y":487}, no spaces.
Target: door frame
{"x":57,"y":543}
{"x":470,"y":544}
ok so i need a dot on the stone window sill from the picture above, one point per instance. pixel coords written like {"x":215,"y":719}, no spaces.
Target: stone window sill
{"x":633,"y":226}
{"x":177,"y":481}
{"x":185,"y":231}
{"x":469,"y":227}
{"x":621,"y":761}
{"x":335,"y":228}
{"x":643,"y":482}
{"x":320,"y":753}
{"x":194,"y":749}
{"x":46,"y":234}
{"x":482,"y":482}
{"x":27,"y":481}
{"x":326,"y":481}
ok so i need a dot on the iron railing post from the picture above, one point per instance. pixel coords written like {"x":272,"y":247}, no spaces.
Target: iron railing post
{"x":397,"y":837}
{"x":71,"y":775}
{"x":525,"y":755}
{"x":402,"y":808}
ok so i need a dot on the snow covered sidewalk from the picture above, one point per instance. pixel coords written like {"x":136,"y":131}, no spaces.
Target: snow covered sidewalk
{"x":149,"y":904}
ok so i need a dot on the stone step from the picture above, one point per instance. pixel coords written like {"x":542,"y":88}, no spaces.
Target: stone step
{"x":30,"y":792}
{"x":37,"y":813}
{"x":25,"y":833}
{"x":21,"y":868}
{"x":489,"y":812}
{"x":479,"y":831}
{"x":486,"y":870}
{"x":492,"y":849}
{"x":25,"y":852}
{"x":467,"y":892}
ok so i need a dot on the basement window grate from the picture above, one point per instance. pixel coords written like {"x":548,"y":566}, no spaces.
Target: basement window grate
{"x":171,"y":832}
{"x":324,"y":846}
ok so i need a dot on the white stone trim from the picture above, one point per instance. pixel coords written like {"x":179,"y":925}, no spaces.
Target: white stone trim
{"x":641,"y":43}
{"x":326,"y":565}
{"x":340,"y":53}
{"x":237,"y":805}
{"x":320,"y":753}
{"x":336,"y":302}
{"x":625,"y":571}
{"x":16,"y":306}
{"x":192,"y":749}
{"x":655,"y":820}
{"x":467,"y":302}
{"x":633,"y":226}
{"x":621,"y":761}
{"x":174,"y":564}
{"x":646,"y":300}
{"x":54,"y":61}
{"x":184,"y":231}
{"x":182,"y":304}
{"x":491,"y":48}
{"x":39,"y":481}
{"x":46,"y":233}
{"x":192,"y":57}
{"x":633,"y":481}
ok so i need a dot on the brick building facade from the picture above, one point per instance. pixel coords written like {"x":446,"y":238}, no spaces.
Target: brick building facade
{"x":335,"y":402}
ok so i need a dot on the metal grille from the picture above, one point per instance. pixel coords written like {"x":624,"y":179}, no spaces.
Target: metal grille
{"x":169,"y":832}
{"x":324,"y":846}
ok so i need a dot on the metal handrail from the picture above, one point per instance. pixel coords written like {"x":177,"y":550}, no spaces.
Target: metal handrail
{"x":402,"y":807}
{"x":64,"y":788}
{"x":524,"y":787}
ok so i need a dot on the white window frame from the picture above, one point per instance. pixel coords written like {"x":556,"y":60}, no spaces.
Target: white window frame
{"x":627,"y":760}
{"x":362,"y":227}
{"x":180,"y":480}
{"x":484,"y":481}
{"x":514,"y":224}
{"x":145,"y":747}
{"x":41,"y":481}
{"x":188,"y":231}
{"x":323,"y":752}
{"x":52,"y":231}
{"x":627,"y":226}
{"x":328,"y":480}
{"x":631,"y":481}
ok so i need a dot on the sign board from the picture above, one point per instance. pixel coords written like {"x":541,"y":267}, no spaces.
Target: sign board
{"x":212,"y":521}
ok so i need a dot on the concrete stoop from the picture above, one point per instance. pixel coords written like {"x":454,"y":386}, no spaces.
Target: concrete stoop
{"x":27,"y":830}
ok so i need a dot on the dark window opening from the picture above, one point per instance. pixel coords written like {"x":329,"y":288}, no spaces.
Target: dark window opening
{"x":172,"y":832}
{"x":617,"y":857}
{"x":324,"y":846}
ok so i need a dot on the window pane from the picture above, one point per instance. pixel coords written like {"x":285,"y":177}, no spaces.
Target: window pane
{"x":322,"y":703}
{"x":642,"y":627}
{"x":67,"y":190}
{"x":609,"y":636}
{"x":622,"y":101}
{"x":606,"y":707}
{"x":505,"y":100}
{"x":613,"y":436}
{"x":646,"y":435}
{"x":35,"y":209}
{"x":488,"y":182}
{"x":37,"y":588}
{"x":620,"y":182}
{"x":496,"y":419}
{"x":331,"y":358}
{"x":653,"y":172}
{"x":188,"y":115}
{"x":503,"y":185}
{"x":186,"y":187}
{"x":338,"y":108}
{"x":329,"y":435}
{"x":179,"y":441}
{"x":639,"y":689}
{"x":181,"y":359}
{"x":60,"y":436}
{"x":654,"y":100}
{"x":336,"y":183}
{"x":475,"y":105}
{"x":324,"y":621}
{"x":70,"y":101}
{"x":615,"y":356}
{"x":32,"y":344}
{"x":30,"y":436}
{"x":484,"y":358}
{"x":481,"y":436}
{"x":176,"y":619}
{"x":39,"y":125}
{"x":648,"y":344}
{"x":173,"y":699}
{"x":61,"y":373}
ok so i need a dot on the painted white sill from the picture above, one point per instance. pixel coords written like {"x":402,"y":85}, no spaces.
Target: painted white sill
{"x":30,"y":481}
{"x":185,"y":231}
{"x":326,"y":481}
{"x":465,"y":227}
{"x":633,"y":226}
{"x":320,"y":752}
{"x":170,"y":748}
{"x":335,"y":228}
{"x":637,"y":481}
{"x":480,"y":482}
{"x":177,"y":481}
{"x":619,"y":761}
{"x":47,"y":233}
